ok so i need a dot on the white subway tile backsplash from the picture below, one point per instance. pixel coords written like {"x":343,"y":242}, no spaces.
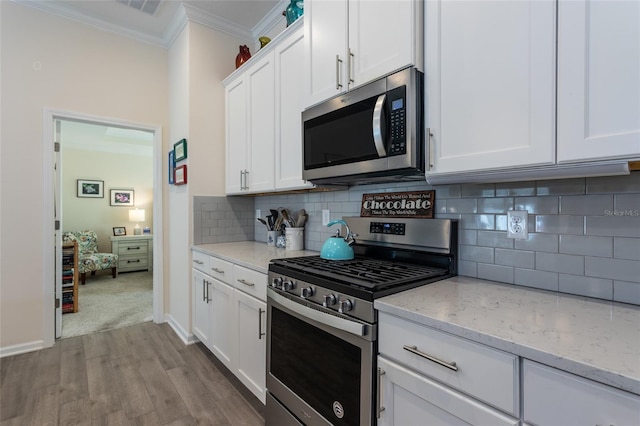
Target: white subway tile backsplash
{"x":617,"y":269}
{"x":586,"y":205}
{"x":537,"y":279}
{"x":564,"y":263}
{"x":586,"y":286}
{"x":586,"y":245}
{"x":585,"y":230}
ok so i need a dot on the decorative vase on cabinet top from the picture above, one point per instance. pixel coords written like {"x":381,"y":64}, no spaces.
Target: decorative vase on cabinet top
{"x":294,"y":11}
{"x":264,"y":41}
{"x":243,"y":56}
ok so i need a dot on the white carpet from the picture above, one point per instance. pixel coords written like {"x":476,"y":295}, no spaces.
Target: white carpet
{"x":106,"y":303}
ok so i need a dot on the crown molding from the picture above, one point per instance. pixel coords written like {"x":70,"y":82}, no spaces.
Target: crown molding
{"x":210,"y":20}
{"x":270,"y":20}
{"x":59,"y":9}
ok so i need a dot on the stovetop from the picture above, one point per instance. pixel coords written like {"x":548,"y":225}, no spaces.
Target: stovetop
{"x":366,"y":273}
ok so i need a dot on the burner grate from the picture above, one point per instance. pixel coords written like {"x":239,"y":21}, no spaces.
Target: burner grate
{"x":365,"y":272}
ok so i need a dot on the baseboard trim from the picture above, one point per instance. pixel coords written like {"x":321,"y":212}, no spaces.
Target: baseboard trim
{"x":186,"y":337}
{"x":21,"y":348}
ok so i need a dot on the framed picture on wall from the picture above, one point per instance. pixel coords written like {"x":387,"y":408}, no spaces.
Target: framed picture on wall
{"x":122,"y":197}
{"x":90,"y":188}
{"x":180,"y":150}
{"x":180,"y":175}
{"x":172,"y":165}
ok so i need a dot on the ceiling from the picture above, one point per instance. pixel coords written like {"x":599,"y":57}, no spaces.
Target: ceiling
{"x":160,"y":21}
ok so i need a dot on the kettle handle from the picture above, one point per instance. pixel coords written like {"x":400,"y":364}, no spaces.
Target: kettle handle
{"x":349,"y":238}
{"x":333,"y":222}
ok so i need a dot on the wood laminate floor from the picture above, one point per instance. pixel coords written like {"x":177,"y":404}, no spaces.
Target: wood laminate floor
{"x":139,"y":375}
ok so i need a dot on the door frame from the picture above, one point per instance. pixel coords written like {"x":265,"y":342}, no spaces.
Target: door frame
{"x":49,"y":241}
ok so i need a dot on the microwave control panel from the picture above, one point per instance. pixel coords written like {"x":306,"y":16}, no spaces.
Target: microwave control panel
{"x":398,"y":121}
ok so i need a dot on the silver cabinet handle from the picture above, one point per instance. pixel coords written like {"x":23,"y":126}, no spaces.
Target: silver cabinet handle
{"x":199,"y":262}
{"x":338,"y":62}
{"x":350,"y":67}
{"x":204,"y":296}
{"x":208,"y":298}
{"x":379,"y":407}
{"x":414,"y":350}
{"x":246,"y":185}
{"x":429,"y":148}
{"x":220,"y":271}
{"x":250,"y":284}
{"x":260,"y":333}
{"x":377,"y":126}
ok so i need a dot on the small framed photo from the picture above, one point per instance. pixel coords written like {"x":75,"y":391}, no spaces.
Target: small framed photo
{"x":119,"y":231}
{"x":172,"y":165}
{"x":122,"y":197}
{"x":180,"y":150}
{"x":90,"y":188}
{"x":180,"y":175}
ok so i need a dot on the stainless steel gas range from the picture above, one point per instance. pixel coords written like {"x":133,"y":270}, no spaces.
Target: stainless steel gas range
{"x":322,"y":326}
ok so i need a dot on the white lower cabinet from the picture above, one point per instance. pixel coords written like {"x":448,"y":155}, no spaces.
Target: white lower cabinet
{"x":409,"y":398}
{"x":229,"y":317}
{"x":554,"y":397}
{"x":250,"y":329}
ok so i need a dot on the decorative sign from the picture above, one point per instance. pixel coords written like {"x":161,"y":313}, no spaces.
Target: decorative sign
{"x":416,"y":204}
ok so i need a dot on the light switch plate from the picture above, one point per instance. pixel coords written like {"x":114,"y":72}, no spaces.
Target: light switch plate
{"x":258,"y":213}
{"x":326,"y":215}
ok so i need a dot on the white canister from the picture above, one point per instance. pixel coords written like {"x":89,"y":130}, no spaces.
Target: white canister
{"x":295,"y":238}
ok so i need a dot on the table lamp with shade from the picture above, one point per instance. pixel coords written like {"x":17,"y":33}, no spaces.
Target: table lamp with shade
{"x":136,"y":216}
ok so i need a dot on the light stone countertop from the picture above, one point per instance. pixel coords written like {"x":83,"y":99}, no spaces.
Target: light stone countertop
{"x":250,"y":254}
{"x":595,"y":339}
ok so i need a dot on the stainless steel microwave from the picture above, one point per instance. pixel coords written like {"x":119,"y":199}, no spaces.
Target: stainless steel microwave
{"x":371,"y":134}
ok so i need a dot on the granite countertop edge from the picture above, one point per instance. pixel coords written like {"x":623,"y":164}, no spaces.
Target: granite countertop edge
{"x":457,"y":319}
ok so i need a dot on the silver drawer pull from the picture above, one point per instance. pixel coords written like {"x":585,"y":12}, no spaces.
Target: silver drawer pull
{"x":199,"y":262}
{"x":414,"y":350}
{"x":220,"y":271}
{"x":260,"y":333}
{"x":240,"y":280}
{"x":379,"y":407}
{"x":133,"y":248}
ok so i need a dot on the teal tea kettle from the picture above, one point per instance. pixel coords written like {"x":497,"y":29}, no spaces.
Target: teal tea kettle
{"x":337,"y":247}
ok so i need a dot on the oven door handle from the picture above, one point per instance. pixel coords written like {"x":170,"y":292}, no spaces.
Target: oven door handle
{"x":343,"y":324}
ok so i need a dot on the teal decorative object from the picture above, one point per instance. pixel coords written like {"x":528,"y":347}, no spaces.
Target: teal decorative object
{"x":294,"y":11}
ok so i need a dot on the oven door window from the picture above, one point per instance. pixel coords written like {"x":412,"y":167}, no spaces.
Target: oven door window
{"x":319,"y":367}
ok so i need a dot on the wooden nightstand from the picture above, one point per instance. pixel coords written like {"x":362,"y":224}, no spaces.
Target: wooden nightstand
{"x":135,"y":252}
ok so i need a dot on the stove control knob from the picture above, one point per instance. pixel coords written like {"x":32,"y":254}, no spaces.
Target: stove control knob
{"x":344,"y":305}
{"x":307,"y":292}
{"x":277,"y":282}
{"x":288,"y":285}
{"x":328,"y":300}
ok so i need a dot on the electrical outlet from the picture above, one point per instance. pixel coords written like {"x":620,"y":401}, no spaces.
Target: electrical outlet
{"x":517,"y":224}
{"x":326,"y":215}
{"x":258,"y":213}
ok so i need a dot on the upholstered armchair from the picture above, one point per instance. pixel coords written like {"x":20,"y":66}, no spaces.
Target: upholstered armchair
{"x":89,"y":260}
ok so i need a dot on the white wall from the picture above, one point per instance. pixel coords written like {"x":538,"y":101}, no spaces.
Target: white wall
{"x":50,"y":62}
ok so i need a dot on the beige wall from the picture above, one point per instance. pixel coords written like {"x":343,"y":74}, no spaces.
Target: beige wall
{"x":50,"y":62}
{"x":118,"y":171}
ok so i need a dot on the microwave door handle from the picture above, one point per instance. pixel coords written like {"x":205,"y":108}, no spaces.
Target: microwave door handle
{"x":377,"y":126}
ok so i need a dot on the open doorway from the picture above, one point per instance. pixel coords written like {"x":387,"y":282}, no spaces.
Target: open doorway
{"x":55,"y":165}
{"x":106,"y":190}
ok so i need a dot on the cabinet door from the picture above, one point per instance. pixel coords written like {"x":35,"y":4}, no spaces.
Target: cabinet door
{"x":251,"y":328}
{"x":261,"y":81}
{"x":553,"y":397}
{"x":384,"y":36}
{"x":222,"y":338}
{"x":236,"y":135}
{"x":490,"y":84}
{"x":409,"y":398}
{"x":200,"y":288}
{"x":325,"y":35}
{"x":290,"y":79}
{"x":598,"y":80}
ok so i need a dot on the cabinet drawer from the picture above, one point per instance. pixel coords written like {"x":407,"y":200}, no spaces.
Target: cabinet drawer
{"x":132,"y":247}
{"x":554,"y":397}
{"x":485,"y":373}
{"x":200,"y":261}
{"x":250,"y":281}
{"x":220,"y":269}
{"x":132,"y":262}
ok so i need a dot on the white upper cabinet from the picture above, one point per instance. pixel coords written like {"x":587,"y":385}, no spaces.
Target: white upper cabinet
{"x":598,"y":80}
{"x":352,"y":42}
{"x":290,"y":80}
{"x":490,"y":84}
{"x":236,"y":135}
